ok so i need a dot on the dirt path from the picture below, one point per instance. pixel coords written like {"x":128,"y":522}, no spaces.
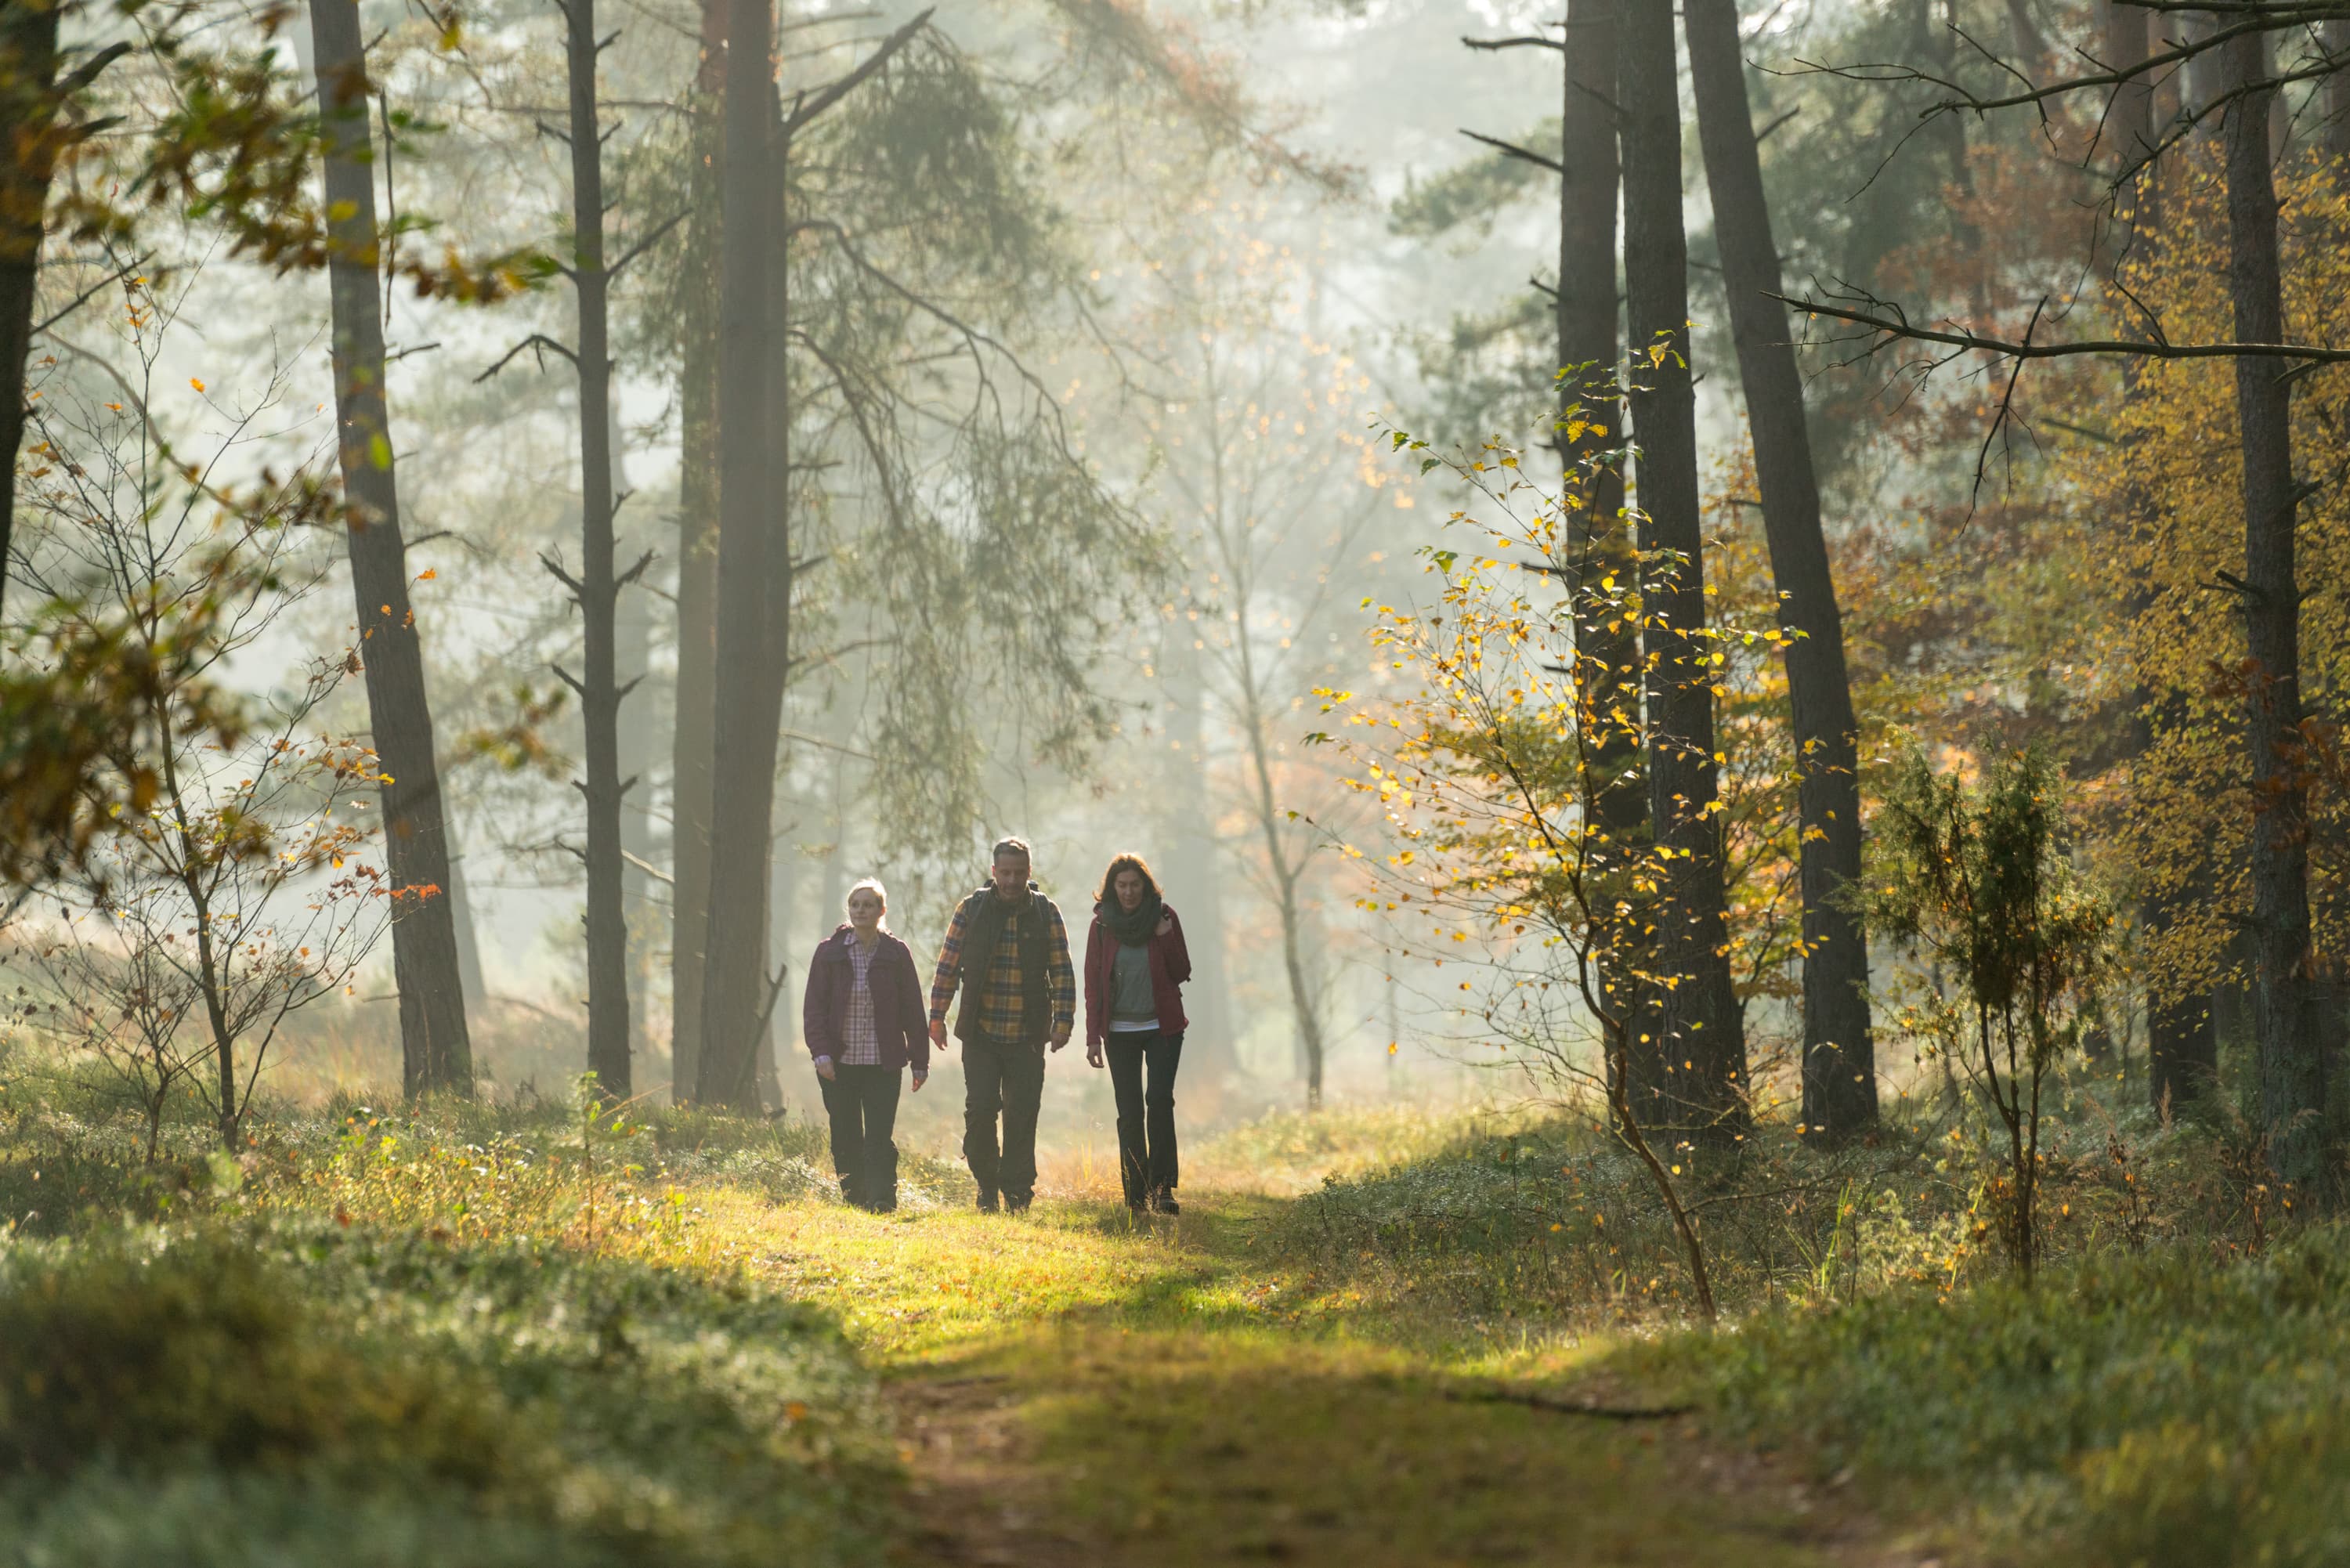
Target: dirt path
{"x":976,"y":1494}
{"x":1068,"y":1391}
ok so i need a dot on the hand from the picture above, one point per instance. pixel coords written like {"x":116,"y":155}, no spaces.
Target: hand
{"x":939,"y":1032}
{"x":1093,"y":1055}
{"x":1166,"y":924}
{"x":921,"y":1076}
{"x":825,"y":1069}
{"x":1060,"y":1036}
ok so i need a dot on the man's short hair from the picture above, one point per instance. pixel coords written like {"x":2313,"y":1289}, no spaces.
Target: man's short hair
{"x":1005,"y":846}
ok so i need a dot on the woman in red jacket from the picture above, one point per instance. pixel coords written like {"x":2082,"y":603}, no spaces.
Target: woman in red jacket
{"x":1134,"y":965}
{"x":865,"y":1021}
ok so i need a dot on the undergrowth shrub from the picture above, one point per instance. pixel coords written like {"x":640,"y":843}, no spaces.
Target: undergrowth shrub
{"x":1552,"y":1218}
{"x":1286,"y":1150}
{"x":278,"y":1386}
{"x":2168,"y":1408}
{"x":203,"y":1352}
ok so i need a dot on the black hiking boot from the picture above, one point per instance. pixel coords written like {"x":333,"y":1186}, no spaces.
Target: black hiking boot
{"x":1163,"y":1201}
{"x":1017,"y":1202}
{"x":987,"y":1203}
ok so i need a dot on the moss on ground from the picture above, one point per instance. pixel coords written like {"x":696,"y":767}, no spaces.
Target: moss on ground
{"x":476,"y":1334}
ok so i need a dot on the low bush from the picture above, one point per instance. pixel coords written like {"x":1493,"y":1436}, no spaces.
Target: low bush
{"x":302,"y":1392}
{"x":2178,"y":1407}
{"x":1554,"y":1218}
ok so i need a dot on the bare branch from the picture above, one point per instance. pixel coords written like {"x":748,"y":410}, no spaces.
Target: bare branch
{"x":84,"y":296}
{"x":1514,"y":151}
{"x":641,"y":246}
{"x":538,"y":343}
{"x":567,"y":581}
{"x":1523,"y":41}
{"x":806,"y":108}
{"x":1899,"y":328}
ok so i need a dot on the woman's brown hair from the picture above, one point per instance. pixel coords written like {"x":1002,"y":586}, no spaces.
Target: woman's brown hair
{"x":1108,"y":894}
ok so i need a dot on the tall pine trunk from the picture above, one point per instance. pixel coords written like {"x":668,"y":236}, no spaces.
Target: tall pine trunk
{"x":1607,"y":642}
{"x":28,"y":107}
{"x":633,"y":633}
{"x":598,"y":586}
{"x":2336,"y":90}
{"x":743,"y":771}
{"x":2182,"y":1056}
{"x":1190,"y":874}
{"x":435,"y":1052}
{"x":2292,"y":1071}
{"x":1691,"y":1074}
{"x":694,"y":737}
{"x":775,"y":659}
{"x":1839,"y":1062}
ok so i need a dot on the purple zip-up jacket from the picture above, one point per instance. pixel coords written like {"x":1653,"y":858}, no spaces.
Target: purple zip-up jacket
{"x":900,"y":1022}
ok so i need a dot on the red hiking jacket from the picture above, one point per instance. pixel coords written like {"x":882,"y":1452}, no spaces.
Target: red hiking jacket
{"x":1170,"y":966}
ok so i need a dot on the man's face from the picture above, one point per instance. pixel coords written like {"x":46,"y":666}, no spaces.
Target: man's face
{"x":1012,"y":876}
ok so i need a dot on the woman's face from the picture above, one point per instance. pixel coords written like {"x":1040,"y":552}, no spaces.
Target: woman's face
{"x":1128,"y":886}
{"x":865,"y":909}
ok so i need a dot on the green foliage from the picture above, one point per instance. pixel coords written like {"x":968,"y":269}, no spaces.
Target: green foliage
{"x":73,"y":691}
{"x":2160,"y":1410}
{"x":1556,"y":1219}
{"x":1977,"y":878}
{"x":485,"y":1402}
{"x":1468,"y":197}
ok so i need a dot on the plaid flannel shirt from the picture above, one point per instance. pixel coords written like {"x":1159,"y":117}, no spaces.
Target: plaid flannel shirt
{"x":1000,"y":1006}
{"x":860,"y":1036}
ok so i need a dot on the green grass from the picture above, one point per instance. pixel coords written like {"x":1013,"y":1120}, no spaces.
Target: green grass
{"x":311,"y":1392}
{"x":2170,"y":1408}
{"x":478,"y":1334}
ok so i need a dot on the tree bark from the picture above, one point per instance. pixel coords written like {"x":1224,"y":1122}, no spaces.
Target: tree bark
{"x":598,"y":586}
{"x":694,"y":737}
{"x":1839,"y":1061}
{"x":28,"y":108}
{"x":781,"y":572}
{"x":436,"y":1052}
{"x":2292,"y":1071}
{"x":1699,"y":1035}
{"x":633,"y":629}
{"x":2336,"y":135}
{"x":1192,"y":876}
{"x":1607,"y":642}
{"x":743,"y":772}
{"x":2182,"y":1058}
{"x":1288,"y":874}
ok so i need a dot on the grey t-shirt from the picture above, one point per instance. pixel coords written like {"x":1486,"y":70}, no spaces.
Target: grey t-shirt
{"x":1130,"y":999}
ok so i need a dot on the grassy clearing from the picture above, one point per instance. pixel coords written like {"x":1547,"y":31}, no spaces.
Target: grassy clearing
{"x":492,"y":1332}
{"x":1179,"y":1391}
{"x":2170,"y":1408}
{"x":315,"y":1392}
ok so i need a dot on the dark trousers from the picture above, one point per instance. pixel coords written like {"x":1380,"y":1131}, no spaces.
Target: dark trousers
{"x":1002,"y":1078}
{"x":1146,"y":1116}
{"x":862,"y":1103}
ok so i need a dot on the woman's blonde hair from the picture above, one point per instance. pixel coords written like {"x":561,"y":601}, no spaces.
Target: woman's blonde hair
{"x":873,"y":884}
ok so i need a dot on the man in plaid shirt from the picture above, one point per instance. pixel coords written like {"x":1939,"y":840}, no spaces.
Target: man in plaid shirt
{"x":1009,"y":952}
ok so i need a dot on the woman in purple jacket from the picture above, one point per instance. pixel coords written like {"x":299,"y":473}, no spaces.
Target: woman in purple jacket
{"x":865,"y":1021}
